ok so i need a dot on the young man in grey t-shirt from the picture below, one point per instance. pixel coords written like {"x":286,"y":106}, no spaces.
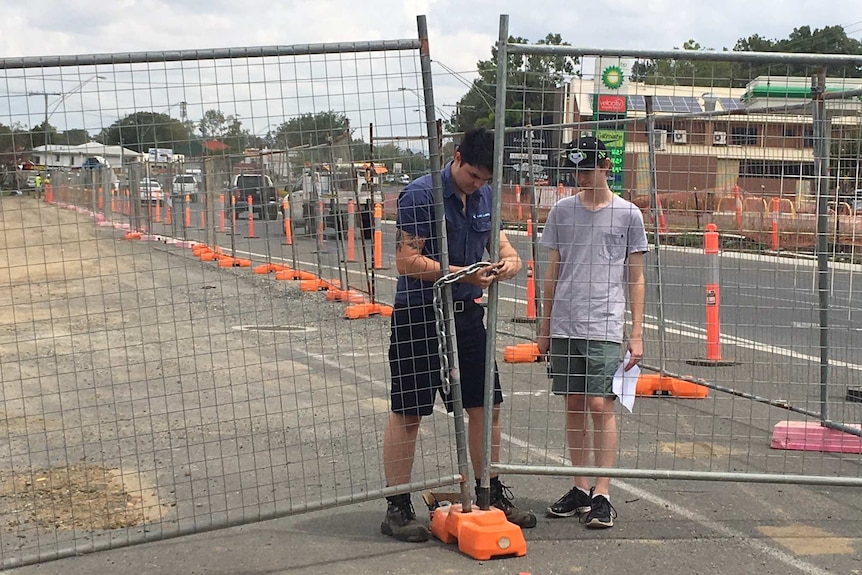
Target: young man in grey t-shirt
{"x":596,"y":241}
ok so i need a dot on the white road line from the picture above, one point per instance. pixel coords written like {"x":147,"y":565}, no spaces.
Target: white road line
{"x":658,"y":501}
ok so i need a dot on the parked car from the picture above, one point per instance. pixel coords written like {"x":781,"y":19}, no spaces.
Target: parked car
{"x":404,"y":179}
{"x":263,"y":195}
{"x":151,"y":191}
{"x":185,"y":184}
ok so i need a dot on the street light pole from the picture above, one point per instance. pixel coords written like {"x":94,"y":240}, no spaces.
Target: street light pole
{"x":46,"y":94}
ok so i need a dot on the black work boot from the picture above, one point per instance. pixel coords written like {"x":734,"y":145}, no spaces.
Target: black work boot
{"x":401,"y":522}
{"x":501,"y":498}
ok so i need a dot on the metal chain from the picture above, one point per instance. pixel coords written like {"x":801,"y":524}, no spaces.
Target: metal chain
{"x":442,"y":340}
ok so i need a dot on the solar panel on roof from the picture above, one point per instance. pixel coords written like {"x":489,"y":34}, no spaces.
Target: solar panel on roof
{"x":731,"y":104}
{"x":637,"y":103}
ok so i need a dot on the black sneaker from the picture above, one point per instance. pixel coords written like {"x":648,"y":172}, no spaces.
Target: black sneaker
{"x":601,"y":515}
{"x":401,"y":522}
{"x":575,"y":502}
{"x":501,"y":498}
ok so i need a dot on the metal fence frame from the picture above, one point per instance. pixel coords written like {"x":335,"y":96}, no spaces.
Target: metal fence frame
{"x":821,"y":134}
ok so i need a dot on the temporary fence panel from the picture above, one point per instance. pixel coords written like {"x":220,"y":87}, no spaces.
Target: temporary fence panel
{"x":176,"y":350}
{"x":745,"y":168}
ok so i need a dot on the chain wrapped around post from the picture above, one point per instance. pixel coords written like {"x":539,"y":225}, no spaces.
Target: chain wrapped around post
{"x":442,"y":350}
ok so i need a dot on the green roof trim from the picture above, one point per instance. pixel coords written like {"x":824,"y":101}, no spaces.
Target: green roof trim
{"x":784,"y":91}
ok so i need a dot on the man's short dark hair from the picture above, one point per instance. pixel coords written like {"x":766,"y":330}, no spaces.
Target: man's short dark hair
{"x":477,"y":148}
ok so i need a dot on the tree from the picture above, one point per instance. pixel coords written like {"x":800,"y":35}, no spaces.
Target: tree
{"x":532,"y":85}
{"x":686,"y":72}
{"x":141,"y":131}
{"x":311,"y":129}
{"x":72,"y":137}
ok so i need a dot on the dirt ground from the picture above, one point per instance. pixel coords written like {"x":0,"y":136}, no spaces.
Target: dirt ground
{"x":51,"y":262}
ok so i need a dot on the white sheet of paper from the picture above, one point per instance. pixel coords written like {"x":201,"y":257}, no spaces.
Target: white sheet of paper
{"x":625,"y":383}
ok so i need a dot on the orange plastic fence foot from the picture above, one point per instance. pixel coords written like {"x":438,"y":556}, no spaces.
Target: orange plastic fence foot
{"x":267,"y":268}
{"x":652,"y":384}
{"x":292,"y":274}
{"x":133,"y":235}
{"x":315,"y":284}
{"x":229,"y":262}
{"x":349,"y":296}
{"x":366,"y":310}
{"x":197,"y":249}
{"x":481,"y":534}
{"x":209,"y":256}
{"x":521,"y":353}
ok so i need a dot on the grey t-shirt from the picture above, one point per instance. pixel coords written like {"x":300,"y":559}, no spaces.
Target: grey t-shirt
{"x":590,"y":298}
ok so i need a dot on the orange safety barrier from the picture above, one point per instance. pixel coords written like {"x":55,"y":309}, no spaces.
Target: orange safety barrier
{"x":203,"y":225}
{"x":250,"y":214}
{"x":168,"y":215}
{"x":188,"y":219}
{"x":351,"y":231}
{"x":288,"y":224}
{"x":100,"y":201}
{"x":378,"y":236}
{"x":233,"y":214}
{"x":220,"y":212}
{"x":133,"y":235}
{"x":158,"y":217}
{"x":713,"y":301}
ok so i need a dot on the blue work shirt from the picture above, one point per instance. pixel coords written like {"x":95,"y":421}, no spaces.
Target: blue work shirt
{"x":468,"y":233}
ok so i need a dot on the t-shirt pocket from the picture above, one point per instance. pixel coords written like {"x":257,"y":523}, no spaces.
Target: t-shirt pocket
{"x":613,"y":246}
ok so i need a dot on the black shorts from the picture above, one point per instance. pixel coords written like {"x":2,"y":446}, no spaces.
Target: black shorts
{"x":415,"y":363}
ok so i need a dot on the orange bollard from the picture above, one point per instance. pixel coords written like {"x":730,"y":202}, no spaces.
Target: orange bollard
{"x":233,"y":214}
{"x":168,"y":215}
{"x":158,"y":217}
{"x":518,"y":201}
{"x":113,"y":201}
{"x":378,"y":236}
{"x":713,"y":302}
{"x":662,"y":222}
{"x":188,"y":219}
{"x":221,"y":213}
{"x":320,"y":226}
{"x":774,"y":242}
{"x":288,"y":232}
{"x":203,"y":219}
{"x":560,"y":191}
{"x":738,"y":207}
{"x":100,"y":201}
{"x":351,"y":231}
{"x":250,"y":217}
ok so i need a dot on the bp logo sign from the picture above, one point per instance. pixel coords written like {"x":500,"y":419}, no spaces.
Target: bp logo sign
{"x":612,"y":77}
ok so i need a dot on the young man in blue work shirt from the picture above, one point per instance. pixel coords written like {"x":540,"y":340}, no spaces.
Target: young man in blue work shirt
{"x":413,"y":352}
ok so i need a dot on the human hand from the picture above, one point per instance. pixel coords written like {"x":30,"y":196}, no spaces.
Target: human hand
{"x":544,"y":344}
{"x":507,"y":268}
{"x":636,"y":348}
{"x":483,"y":277}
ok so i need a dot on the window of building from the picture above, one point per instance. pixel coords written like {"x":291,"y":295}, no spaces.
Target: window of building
{"x":808,"y":138}
{"x":743,"y":136}
{"x":56,"y":158}
{"x":775,"y":169}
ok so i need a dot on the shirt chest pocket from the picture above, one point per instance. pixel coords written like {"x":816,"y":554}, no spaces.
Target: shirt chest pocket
{"x":613,"y":246}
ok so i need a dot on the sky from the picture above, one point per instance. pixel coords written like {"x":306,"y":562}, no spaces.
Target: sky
{"x":460,"y":33}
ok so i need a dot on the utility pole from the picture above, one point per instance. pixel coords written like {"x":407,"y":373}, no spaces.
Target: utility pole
{"x":46,"y":94}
